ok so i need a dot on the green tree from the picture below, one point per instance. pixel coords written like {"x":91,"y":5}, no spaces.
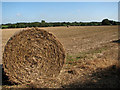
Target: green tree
{"x":113,"y":22}
{"x":43,"y":23}
{"x":106,"y":22}
{"x":83,"y":24}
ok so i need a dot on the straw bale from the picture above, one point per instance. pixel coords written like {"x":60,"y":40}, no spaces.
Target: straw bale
{"x":31,"y":55}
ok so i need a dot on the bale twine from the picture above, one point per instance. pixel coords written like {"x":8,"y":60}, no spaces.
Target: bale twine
{"x":31,"y":55}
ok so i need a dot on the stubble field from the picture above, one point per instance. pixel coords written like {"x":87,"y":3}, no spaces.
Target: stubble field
{"x":91,"y":56}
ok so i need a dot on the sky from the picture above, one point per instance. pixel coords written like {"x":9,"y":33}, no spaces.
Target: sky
{"x":13,"y":12}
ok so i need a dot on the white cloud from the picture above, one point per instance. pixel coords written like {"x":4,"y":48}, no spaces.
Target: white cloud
{"x":18,"y":14}
{"x":78,"y":10}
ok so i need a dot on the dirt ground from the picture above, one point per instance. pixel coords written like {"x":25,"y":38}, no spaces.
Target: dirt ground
{"x":91,"y":57}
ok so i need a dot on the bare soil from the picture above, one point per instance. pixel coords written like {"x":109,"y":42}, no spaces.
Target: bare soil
{"x":91,"y":57}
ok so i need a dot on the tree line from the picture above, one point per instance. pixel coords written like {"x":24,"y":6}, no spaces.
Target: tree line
{"x":54,"y":24}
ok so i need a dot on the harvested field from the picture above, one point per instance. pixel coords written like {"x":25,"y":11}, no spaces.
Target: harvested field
{"x":92,"y":54}
{"x":77,"y":39}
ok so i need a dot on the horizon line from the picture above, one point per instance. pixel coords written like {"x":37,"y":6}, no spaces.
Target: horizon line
{"x":57,"y":21}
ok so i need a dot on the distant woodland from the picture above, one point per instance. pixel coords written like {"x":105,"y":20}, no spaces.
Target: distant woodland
{"x":43,"y":23}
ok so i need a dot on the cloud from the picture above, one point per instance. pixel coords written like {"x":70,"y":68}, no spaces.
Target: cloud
{"x":18,"y":14}
{"x":78,"y":10}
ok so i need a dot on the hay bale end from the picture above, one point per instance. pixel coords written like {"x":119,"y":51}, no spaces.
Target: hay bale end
{"x":33,"y":54}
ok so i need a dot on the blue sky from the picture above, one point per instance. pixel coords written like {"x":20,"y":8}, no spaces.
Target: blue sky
{"x":13,"y":12}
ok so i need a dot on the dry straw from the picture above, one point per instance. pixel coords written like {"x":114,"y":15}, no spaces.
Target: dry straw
{"x":31,"y":55}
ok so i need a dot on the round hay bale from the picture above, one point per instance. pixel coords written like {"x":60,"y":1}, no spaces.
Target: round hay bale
{"x":31,"y":55}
